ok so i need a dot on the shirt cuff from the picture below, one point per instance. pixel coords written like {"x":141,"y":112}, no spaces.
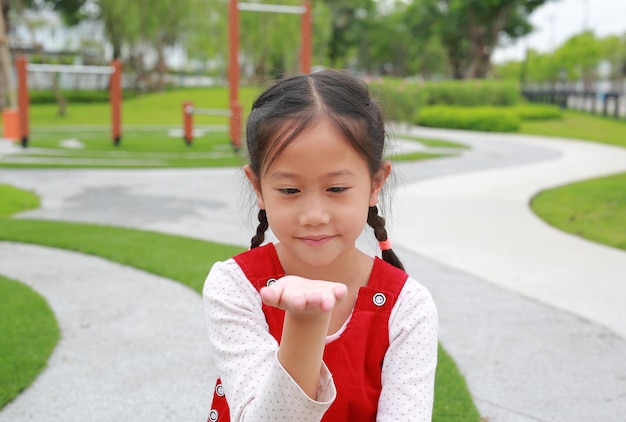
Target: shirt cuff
{"x":326,"y":391}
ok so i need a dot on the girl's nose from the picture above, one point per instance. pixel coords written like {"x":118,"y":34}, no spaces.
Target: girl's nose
{"x":314,"y":212}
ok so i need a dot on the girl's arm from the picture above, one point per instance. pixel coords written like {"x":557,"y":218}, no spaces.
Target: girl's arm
{"x":308,"y":305}
{"x":256,"y":383}
{"x":408,"y":375}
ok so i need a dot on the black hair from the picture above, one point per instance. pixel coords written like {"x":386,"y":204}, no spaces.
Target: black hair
{"x":292,"y":104}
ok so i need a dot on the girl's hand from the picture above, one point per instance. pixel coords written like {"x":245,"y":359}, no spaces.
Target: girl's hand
{"x":303,"y":296}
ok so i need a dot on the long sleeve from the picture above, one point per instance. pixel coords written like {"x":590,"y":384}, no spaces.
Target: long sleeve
{"x":408,"y":374}
{"x":256,"y":385}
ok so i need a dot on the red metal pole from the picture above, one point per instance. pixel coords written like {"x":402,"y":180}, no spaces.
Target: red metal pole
{"x":115,"y":97}
{"x":188,"y":121}
{"x":22,"y":100}
{"x":233,"y":74}
{"x":306,"y":52}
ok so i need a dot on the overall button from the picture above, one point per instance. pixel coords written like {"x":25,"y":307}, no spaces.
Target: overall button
{"x":379,"y":299}
{"x":270,"y":282}
{"x":213,"y":415}
{"x":219,"y":390}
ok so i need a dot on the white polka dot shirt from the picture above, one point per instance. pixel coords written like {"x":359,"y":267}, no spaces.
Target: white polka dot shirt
{"x":259,"y":388}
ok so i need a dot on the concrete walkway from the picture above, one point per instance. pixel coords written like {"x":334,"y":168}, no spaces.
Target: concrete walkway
{"x":535,"y":343}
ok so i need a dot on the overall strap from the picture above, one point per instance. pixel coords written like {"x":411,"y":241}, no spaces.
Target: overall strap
{"x":261,"y":267}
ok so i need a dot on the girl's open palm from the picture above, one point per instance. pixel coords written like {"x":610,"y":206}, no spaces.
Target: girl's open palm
{"x":302,"y":295}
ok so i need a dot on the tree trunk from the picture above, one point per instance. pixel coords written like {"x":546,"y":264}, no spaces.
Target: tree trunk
{"x":61,"y":102}
{"x":6,"y":87}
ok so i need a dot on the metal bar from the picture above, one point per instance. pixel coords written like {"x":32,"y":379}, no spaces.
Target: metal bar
{"x":272,"y":8}
{"x":101,"y":70}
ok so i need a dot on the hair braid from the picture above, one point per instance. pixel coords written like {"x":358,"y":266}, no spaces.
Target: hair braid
{"x":378,"y":224}
{"x":259,"y":237}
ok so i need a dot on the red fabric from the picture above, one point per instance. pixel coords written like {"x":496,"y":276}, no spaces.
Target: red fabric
{"x":355,"y":359}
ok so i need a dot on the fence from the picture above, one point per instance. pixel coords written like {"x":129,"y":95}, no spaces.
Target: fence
{"x":606,"y":103}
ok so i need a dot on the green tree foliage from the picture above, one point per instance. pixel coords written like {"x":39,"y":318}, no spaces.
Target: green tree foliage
{"x":577,"y":59}
{"x":580,"y":56}
{"x":471,"y":29}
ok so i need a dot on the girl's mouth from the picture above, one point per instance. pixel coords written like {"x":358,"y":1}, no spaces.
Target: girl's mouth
{"x":316,"y":240}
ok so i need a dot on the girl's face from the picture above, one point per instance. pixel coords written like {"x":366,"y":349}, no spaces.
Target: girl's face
{"x":316,"y":194}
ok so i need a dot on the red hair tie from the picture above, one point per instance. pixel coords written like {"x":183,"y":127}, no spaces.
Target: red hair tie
{"x":385,"y":245}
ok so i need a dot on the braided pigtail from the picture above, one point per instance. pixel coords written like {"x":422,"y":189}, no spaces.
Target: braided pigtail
{"x":378,"y":224}
{"x":259,"y":237}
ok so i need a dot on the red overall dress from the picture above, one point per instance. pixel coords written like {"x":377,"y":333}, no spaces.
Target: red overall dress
{"x":354,"y":359}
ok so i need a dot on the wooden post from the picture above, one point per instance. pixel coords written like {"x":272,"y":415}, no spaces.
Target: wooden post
{"x":115,"y":97}
{"x":188,"y":122}
{"x":22,"y":100}
{"x":233,"y":74}
{"x":306,"y":52}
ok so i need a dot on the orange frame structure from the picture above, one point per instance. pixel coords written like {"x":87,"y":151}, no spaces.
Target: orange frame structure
{"x":233,"y":54}
{"x":115,"y":93}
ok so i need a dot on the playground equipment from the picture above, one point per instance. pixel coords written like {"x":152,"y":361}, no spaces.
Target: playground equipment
{"x":234,"y":111}
{"x":17,"y":122}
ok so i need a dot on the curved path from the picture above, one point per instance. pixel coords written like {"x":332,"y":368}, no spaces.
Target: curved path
{"x":535,"y":343}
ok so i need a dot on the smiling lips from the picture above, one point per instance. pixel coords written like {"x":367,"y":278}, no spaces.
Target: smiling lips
{"x":320,"y":240}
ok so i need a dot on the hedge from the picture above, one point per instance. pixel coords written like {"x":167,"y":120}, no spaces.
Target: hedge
{"x":401,"y":99}
{"x":488,"y":119}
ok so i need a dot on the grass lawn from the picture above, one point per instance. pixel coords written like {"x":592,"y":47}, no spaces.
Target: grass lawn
{"x":579,"y":125}
{"x":179,"y":258}
{"x":594,"y":209}
{"x":151,"y":134}
{"x":28,"y":334}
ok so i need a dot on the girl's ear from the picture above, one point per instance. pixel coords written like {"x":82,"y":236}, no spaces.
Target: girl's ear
{"x":378,"y":181}
{"x":256,"y":185}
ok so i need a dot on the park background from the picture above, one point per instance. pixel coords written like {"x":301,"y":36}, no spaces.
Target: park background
{"x":432,"y":63}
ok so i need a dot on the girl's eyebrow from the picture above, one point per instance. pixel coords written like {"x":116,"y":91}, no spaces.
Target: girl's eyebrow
{"x":279,"y":174}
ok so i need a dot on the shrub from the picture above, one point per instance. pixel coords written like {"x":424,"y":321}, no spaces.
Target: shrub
{"x":401,"y":99}
{"x":488,"y":119}
{"x":398,"y":98}
{"x":530,"y":112}
{"x":473,"y":93}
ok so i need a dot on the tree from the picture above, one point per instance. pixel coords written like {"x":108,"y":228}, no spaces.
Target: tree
{"x":348,"y":29}
{"x":614,"y":52}
{"x":579,"y":56}
{"x":471,"y":29}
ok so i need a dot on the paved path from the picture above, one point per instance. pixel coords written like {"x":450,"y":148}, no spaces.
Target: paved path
{"x":133,"y":346}
{"x":530,"y":349}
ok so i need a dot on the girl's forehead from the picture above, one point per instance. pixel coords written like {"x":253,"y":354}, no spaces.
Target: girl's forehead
{"x":319,"y":148}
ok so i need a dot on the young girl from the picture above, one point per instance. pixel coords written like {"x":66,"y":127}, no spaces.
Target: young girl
{"x":311,"y":328}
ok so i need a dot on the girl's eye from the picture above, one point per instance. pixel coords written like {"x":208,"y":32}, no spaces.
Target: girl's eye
{"x":288,"y":191}
{"x":337,"y":189}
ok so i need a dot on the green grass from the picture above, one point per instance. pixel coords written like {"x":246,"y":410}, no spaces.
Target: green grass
{"x":435,"y":143}
{"x":179,"y":258}
{"x":13,"y":200}
{"x":140,"y":148}
{"x":147,"y":133}
{"x":187,"y":261}
{"x":593,"y":209}
{"x":165,"y":108}
{"x":452,"y":399}
{"x":579,"y":125}
{"x":28,"y":334}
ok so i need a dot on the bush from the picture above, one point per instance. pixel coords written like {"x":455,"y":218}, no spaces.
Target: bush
{"x":488,"y":119}
{"x":531,"y":112}
{"x":401,"y":99}
{"x":398,"y":98}
{"x":473,"y":93}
